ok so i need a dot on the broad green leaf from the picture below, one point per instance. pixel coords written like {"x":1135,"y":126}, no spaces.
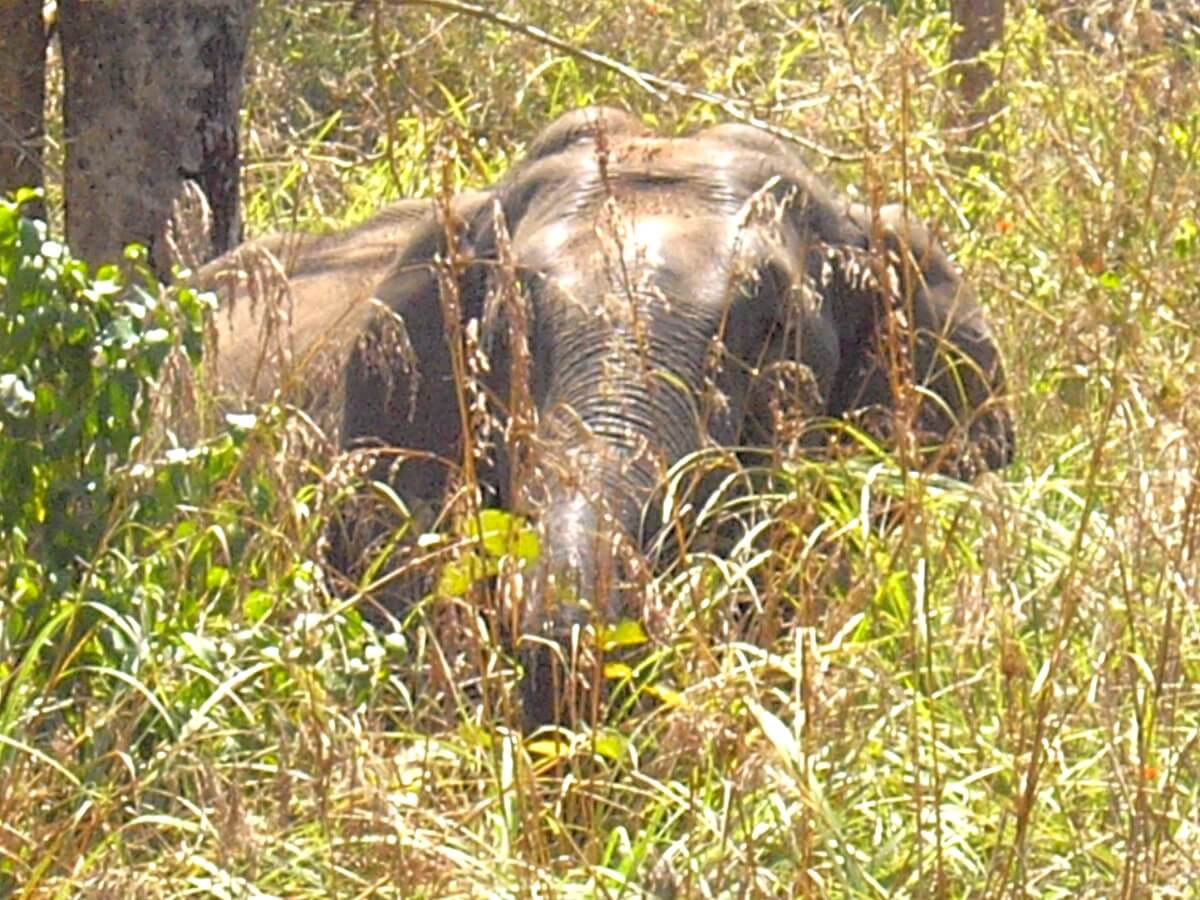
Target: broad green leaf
{"x":502,"y":532}
{"x":257,"y":605}
{"x":665,"y":695}
{"x":615,"y":671}
{"x":216,"y":578}
{"x":457,"y":577}
{"x":610,"y":744}
{"x":548,"y":748}
{"x":625,"y":633}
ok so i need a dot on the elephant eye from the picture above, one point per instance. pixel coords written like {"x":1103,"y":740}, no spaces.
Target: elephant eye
{"x":767,"y":293}
{"x":775,"y":280}
{"x":759,"y":305}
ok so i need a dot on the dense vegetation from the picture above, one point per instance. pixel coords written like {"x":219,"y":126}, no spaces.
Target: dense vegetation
{"x":897,"y":685}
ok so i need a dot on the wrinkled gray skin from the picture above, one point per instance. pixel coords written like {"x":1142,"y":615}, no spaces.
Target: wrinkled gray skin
{"x":667,"y":282}
{"x":289,"y":301}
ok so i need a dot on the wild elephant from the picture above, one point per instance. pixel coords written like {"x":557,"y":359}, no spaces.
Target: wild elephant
{"x":290,"y":301}
{"x":633,"y":299}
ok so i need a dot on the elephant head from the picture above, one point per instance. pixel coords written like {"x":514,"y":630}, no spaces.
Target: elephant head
{"x":627,"y":299}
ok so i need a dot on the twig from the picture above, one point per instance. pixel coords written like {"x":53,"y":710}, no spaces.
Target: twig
{"x":654,"y":85}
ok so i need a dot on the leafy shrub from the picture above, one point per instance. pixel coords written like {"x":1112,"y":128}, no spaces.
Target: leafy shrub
{"x":141,"y":587}
{"x":80,"y":356}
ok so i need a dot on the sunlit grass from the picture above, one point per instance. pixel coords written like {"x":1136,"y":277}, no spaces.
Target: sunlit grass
{"x":879,"y":683}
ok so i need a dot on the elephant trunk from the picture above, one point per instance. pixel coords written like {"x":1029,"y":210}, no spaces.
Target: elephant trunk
{"x":598,"y":477}
{"x":585,"y":530}
{"x":581,"y":577}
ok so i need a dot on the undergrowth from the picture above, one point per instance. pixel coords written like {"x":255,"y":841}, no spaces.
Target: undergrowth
{"x":891,"y":684}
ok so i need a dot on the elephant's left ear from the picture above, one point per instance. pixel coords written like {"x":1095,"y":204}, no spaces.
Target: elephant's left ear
{"x":952,"y":356}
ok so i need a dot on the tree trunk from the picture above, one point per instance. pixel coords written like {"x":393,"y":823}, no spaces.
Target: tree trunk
{"x":980,"y":27}
{"x":22,"y":94}
{"x":153,"y":89}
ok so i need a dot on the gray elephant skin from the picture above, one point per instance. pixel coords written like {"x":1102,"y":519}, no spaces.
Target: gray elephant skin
{"x":633,"y":299}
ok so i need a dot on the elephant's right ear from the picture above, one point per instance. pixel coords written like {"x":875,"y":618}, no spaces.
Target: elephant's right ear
{"x":931,"y":334}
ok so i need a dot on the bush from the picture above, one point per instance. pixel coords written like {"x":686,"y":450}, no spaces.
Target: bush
{"x":138,"y":583}
{"x":80,"y":357}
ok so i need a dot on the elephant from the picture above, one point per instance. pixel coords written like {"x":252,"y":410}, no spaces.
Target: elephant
{"x":626,"y":299}
{"x":289,"y":300}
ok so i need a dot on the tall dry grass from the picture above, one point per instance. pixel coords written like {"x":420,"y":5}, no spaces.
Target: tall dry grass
{"x":891,"y":684}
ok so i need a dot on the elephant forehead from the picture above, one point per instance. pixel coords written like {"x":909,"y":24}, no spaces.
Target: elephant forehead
{"x":679,"y":241}
{"x":608,"y":250}
{"x":651,"y":240}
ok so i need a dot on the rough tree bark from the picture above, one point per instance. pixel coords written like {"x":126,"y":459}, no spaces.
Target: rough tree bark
{"x":152,"y":92}
{"x":22,"y":94}
{"x":980,"y":26}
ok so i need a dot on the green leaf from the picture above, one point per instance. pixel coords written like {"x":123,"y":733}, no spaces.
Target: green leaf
{"x":1180,"y":136}
{"x":1184,"y":243}
{"x":23,"y":195}
{"x":548,"y":748}
{"x":502,"y":532}
{"x":25,"y":590}
{"x":610,"y":744}
{"x":457,"y":577}
{"x":665,"y":695}
{"x":216,"y":578}
{"x":625,"y":633}
{"x":617,"y":671}
{"x":257,"y":605}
